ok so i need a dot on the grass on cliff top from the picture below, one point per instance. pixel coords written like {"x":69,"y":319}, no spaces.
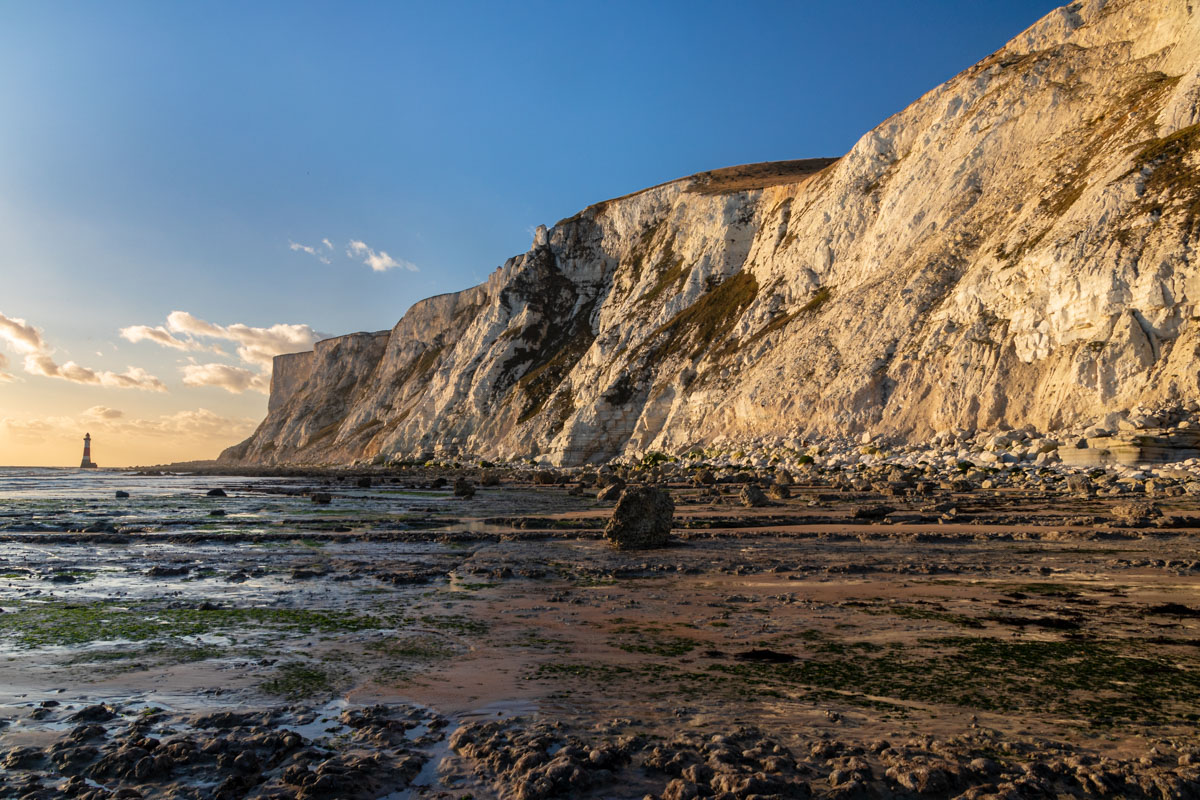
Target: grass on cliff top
{"x":751,"y":177}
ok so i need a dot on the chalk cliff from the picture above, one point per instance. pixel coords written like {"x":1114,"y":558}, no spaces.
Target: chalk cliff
{"x":1017,"y":247}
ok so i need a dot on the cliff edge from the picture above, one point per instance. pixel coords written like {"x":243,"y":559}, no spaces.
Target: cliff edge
{"x":1016,"y":248}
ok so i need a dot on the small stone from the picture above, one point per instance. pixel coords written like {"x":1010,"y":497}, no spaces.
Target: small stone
{"x":216,"y":493}
{"x":322,"y":498}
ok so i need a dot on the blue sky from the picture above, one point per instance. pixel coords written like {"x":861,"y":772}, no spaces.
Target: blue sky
{"x":157,"y":157}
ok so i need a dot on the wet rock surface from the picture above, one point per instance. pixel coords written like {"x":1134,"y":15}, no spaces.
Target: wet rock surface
{"x":885,"y":632}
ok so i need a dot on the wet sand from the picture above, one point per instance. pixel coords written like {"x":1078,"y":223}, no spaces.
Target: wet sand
{"x":980,"y":644}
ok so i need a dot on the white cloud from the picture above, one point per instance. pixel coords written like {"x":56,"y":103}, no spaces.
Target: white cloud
{"x":160,"y":335}
{"x":328,"y":244}
{"x":131,"y":378}
{"x":23,"y":337}
{"x":28,"y":340}
{"x":255,"y":346}
{"x":381,"y":261}
{"x":312,"y":251}
{"x":231,"y":379}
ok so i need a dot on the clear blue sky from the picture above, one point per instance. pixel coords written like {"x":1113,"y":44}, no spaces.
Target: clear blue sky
{"x":160,"y":156}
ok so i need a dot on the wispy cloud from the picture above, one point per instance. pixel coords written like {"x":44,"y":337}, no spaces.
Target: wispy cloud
{"x":378,"y":261}
{"x":328,"y":244}
{"x":312,"y":251}
{"x":39,"y":360}
{"x":224,"y":376}
{"x":160,"y":335}
{"x":131,"y":378}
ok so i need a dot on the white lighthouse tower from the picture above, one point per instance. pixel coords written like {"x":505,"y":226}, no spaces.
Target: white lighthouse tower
{"x":87,"y":453}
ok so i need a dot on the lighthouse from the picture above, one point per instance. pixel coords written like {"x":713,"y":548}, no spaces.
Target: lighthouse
{"x":87,"y":453}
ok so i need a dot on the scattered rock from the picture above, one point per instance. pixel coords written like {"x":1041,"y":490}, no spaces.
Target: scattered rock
{"x":1135,"y":514}
{"x":1080,"y":485}
{"x":642,"y":519}
{"x":611,"y":492}
{"x":764,"y":656}
{"x":94,"y":713}
{"x":168,"y":571}
{"x":752,"y":496}
{"x":322,"y":498}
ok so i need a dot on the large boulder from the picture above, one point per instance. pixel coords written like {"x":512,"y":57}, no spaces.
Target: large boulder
{"x":641,"y":520}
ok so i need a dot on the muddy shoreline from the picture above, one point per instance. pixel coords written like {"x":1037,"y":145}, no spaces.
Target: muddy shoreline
{"x":934,"y":641}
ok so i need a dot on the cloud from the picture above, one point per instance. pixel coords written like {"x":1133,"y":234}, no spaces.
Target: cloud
{"x":23,"y":337}
{"x":231,"y":379}
{"x":381,"y":261}
{"x":4,"y":376}
{"x":131,"y":378}
{"x":26,"y":339}
{"x":312,"y":251}
{"x":102,"y":413}
{"x":188,"y":425}
{"x":160,"y":335}
{"x":328,"y":244}
{"x":256,"y":346}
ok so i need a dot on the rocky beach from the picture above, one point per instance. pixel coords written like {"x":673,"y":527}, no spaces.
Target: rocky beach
{"x":882,"y":629}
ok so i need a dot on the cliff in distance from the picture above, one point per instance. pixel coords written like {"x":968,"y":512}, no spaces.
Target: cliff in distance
{"x":1016,"y":248}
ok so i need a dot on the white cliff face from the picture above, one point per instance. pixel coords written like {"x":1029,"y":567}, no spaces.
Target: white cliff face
{"x":1018,"y":247}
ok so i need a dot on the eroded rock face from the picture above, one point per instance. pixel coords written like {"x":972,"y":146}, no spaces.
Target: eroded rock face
{"x":1010,"y":250}
{"x":641,"y":520}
